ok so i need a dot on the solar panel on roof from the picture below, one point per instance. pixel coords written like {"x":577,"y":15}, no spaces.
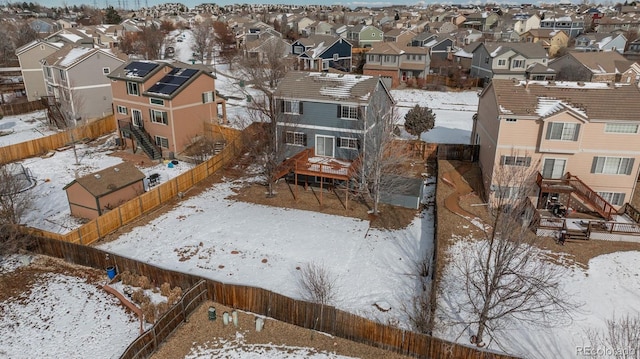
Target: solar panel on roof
{"x":140,"y":69}
{"x":172,"y":81}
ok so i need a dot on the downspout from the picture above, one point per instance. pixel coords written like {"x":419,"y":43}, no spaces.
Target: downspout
{"x":173,"y":131}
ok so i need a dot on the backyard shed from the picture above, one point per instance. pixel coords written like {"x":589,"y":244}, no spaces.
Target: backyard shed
{"x":94,"y":194}
{"x":402,"y":191}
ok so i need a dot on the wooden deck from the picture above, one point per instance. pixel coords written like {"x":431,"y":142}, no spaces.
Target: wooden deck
{"x":305,"y":163}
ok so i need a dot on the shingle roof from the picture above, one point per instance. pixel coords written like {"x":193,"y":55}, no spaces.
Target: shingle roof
{"x":603,"y":62}
{"x":109,"y":179}
{"x":327,"y":86}
{"x":526,"y":49}
{"x":384,"y":48}
{"x":599,"y":101}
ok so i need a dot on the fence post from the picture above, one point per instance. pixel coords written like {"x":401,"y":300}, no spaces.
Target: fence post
{"x":120,"y":215}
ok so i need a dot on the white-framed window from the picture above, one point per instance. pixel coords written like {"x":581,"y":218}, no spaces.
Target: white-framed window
{"x":48,"y":71}
{"x":325,"y":64}
{"x":291,"y":107}
{"x":517,"y":63}
{"x":350,"y":112}
{"x":563,"y":131}
{"x":106,"y":70}
{"x":615,"y":198}
{"x":325,"y":145}
{"x":515,"y":161}
{"x":506,"y":192}
{"x":122,"y":110}
{"x":348,"y":142}
{"x":335,"y":57}
{"x":295,"y":138}
{"x":298,"y":49}
{"x":161,"y":141}
{"x":159,"y":117}
{"x":132,"y":88}
{"x":207,"y":97}
{"x":502,"y":62}
{"x":156,"y":101}
{"x":553,"y":167}
{"x":621,"y":128}
{"x":612,"y":165}
{"x":63,"y":75}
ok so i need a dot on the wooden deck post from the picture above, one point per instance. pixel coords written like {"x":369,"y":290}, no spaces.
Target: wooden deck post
{"x":321,"y":190}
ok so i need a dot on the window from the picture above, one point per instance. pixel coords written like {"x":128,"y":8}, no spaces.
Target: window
{"x":515,"y":161}
{"x":48,"y":71}
{"x":612,"y":165}
{"x":348,"y":112}
{"x":122,"y":110}
{"x":161,"y":141}
{"x":324,"y":146}
{"x":615,"y":198}
{"x":347,"y":142}
{"x":486,"y":61}
{"x":136,"y":117}
{"x":517,"y":63}
{"x":621,"y":128}
{"x":159,"y":117}
{"x":563,"y":131}
{"x":325,"y":64}
{"x":156,"y":101}
{"x":132,"y":89}
{"x":295,"y":138}
{"x":292,"y":107}
{"x":387,"y":58}
{"x":506,"y":192}
{"x":553,"y":168}
{"x":502,"y":62}
{"x":298,"y":49}
{"x":335,"y":57}
{"x":207,"y":97}
{"x":106,"y":70}
{"x":63,"y":76}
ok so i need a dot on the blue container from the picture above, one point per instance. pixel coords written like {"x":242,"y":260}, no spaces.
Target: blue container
{"x":111,"y":272}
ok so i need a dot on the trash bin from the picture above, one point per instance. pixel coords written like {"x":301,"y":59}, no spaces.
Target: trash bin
{"x":212,"y":313}
{"x":111,"y":272}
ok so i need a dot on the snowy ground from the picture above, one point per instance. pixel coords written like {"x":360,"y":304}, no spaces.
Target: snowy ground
{"x":225,"y":240}
{"x":609,"y":287}
{"x":64,"y":316}
{"x":25,"y":127}
{"x":50,"y":208}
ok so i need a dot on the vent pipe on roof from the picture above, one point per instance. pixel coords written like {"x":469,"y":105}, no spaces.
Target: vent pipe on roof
{"x":97,"y":176}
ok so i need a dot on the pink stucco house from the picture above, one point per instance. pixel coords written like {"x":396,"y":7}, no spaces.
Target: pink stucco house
{"x":163,"y":107}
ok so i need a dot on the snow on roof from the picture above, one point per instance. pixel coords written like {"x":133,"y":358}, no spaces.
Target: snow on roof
{"x":339,"y":86}
{"x":462,"y":53}
{"x":505,"y":111}
{"x":318,"y":50}
{"x":71,"y":37}
{"x":74,"y":55}
{"x":604,"y":41}
{"x":548,"y":106}
{"x":431,"y":43}
{"x":568,"y":84}
{"x":496,"y":51}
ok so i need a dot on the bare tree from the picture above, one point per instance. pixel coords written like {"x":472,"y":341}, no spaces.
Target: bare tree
{"x":504,"y":277}
{"x":226,"y":41}
{"x":14,"y":202}
{"x":24,"y":35}
{"x":621,"y":339}
{"x":203,"y":39}
{"x":317,"y":284}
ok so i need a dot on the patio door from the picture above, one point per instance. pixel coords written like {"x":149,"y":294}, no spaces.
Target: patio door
{"x":553,"y":167}
{"x":325,"y":146}
{"x":136,"y":117}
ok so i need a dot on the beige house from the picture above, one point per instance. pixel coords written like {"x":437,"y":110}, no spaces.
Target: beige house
{"x":589,"y":130}
{"x":551,"y":40}
{"x":29,"y":56}
{"x":94,"y":194}
{"x":163,"y":107}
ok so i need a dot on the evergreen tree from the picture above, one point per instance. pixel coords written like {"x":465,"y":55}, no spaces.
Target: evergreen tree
{"x":419,"y":120}
{"x":111,"y":16}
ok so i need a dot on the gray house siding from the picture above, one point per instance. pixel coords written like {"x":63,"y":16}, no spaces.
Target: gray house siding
{"x":481,"y":63}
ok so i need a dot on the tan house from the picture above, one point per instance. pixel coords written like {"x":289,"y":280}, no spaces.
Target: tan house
{"x":97,"y":193}
{"x":29,"y":56}
{"x":551,"y":40}
{"x":163,"y":107}
{"x":586,"y":133}
{"x":397,"y":64}
{"x":591,"y":66}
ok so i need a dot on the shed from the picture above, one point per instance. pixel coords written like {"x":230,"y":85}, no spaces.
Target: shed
{"x":402,"y":191}
{"x":94,"y":194}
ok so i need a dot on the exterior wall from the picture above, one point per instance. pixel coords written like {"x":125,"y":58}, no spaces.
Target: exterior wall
{"x":81,"y":202}
{"x":479,"y":67}
{"x":486,"y":131}
{"x":32,"y":70}
{"x":120,"y":196}
{"x":391,"y":74}
{"x":369,"y":36}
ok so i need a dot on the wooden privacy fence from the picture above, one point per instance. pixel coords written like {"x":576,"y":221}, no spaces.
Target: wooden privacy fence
{"x":147,"y":343}
{"x":11,"y":109}
{"x":43,"y":145}
{"x":260,"y":301}
{"x":118,"y":217}
{"x":441,"y":151}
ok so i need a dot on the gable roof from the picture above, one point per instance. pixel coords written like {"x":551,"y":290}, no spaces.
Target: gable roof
{"x":136,"y":70}
{"x":602,"y":62}
{"x":69,"y":56}
{"x":527,"y":49}
{"x":327,"y":87}
{"x":385,"y":48}
{"x":598,"y":101}
{"x":109,"y":179}
{"x":24,"y":48}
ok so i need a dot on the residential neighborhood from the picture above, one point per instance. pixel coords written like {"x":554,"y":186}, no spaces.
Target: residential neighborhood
{"x":407,"y":180}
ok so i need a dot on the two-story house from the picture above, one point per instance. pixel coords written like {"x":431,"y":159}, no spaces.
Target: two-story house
{"x":440,"y":47}
{"x":76,"y":78}
{"x":551,"y":40}
{"x":589,"y":130}
{"x":506,"y":60}
{"x":571,"y":24}
{"x":29,"y":56}
{"x":590,"y":66}
{"x":321,"y":52}
{"x":594,"y":42}
{"x":162,"y":107}
{"x":523,"y":22}
{"x":364,"y":35}
{"x":326,"y":123}
{"x":482,"y":21}
{"x":399,"y":36}
{"x":397,"y":64}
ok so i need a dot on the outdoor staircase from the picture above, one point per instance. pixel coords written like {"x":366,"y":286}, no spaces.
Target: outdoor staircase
{"x":142,"y":138}
{"x":53,"y":112}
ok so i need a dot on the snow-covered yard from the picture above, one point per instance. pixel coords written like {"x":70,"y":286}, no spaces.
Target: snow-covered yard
{"x":25,"y":127}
